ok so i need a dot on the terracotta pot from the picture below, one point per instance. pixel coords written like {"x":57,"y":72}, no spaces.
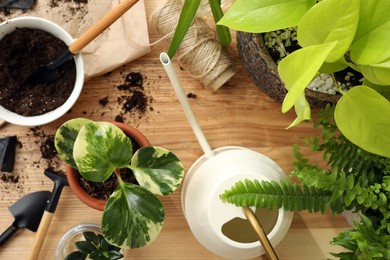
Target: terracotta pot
{"x":73,"y":175}
{"x":263,"y":70}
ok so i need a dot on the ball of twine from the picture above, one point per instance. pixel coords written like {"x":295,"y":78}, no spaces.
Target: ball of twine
{"x":200,"y":52}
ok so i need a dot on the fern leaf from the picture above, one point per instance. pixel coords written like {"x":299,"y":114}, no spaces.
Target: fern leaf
{"x":274,"y":195}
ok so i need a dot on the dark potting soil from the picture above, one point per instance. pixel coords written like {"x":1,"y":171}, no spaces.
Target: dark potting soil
{"x":103,"y":190}
{"x":21,"y":53}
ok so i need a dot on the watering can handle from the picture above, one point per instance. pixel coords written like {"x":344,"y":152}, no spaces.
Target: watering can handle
{"x":269,"y":250}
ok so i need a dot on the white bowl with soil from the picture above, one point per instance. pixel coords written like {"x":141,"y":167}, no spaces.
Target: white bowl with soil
{"x":38,"y":104}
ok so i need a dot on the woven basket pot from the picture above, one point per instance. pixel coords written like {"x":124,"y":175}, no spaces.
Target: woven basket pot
{"x":263,"y":70}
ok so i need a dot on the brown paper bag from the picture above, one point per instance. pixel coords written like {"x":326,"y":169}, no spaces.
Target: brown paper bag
{"x":125,"y":40}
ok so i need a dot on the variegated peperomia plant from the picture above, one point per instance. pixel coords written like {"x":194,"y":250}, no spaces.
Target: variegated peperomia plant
{"x":133,"y":215}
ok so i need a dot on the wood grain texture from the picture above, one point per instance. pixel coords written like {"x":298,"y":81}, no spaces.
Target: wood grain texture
{"x":239,"y":113}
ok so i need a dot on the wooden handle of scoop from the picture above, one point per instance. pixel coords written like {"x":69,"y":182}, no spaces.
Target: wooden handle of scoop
{"x":101,"y":25}
{"x":41,"y":234}
{"x":269,"y":250}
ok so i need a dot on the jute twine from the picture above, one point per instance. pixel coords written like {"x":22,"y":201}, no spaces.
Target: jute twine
{"x":200,"y":51}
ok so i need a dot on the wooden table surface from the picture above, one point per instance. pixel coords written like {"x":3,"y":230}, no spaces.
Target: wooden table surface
{"x":239,"y":113}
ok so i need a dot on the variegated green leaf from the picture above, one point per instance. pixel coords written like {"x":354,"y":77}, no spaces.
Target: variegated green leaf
{"x":65,"y":137}
{"x":99,"y":149}
{"x":330,"y":21}
{"x":133,"y":217}
{"x":157,"y":169}
{"x":266,"y":15}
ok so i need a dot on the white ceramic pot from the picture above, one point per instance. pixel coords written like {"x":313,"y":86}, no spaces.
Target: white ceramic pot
{"x":39,"y":23}
{"x":206,"y":214}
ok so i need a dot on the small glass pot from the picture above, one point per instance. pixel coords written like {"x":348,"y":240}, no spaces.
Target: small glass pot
{"x":66,"y":244}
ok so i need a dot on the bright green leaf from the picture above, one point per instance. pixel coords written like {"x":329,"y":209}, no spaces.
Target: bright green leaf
{"x":99,"y":149}
{"x":157,"y":169}
{"x":187,"y":15}
{"x":266,"y":15}
{"x":362,"y":115}
{"x":334,"y":66}
{"x":133,"y":217}
{"x":377,"y":74}
{"x":302,"y":109}
{"x":373,"y":14}
{"x":372,"y":48}
{"x":330,"y":21}
{"x":65,"y":137}
{"x":298,"y":69}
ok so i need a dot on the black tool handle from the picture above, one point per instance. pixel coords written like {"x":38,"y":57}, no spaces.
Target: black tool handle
{"x":7,"y":234}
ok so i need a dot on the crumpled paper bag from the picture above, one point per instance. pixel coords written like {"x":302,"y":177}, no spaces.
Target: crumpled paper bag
{"x":125,"y":40}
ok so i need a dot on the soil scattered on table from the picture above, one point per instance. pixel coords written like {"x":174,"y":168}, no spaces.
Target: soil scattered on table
{"x":49,"y":154}
{"x":22,"y":52}
{"x":132,"y":100}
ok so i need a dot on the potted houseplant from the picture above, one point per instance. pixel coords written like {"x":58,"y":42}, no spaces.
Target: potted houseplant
{"x":333,"y":34}
{"x":86,"y":240}
{"x":133,"y":215}
{"x":353,"y":179}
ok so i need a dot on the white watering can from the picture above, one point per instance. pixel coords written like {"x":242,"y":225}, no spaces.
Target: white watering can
{"x":222,"y":227}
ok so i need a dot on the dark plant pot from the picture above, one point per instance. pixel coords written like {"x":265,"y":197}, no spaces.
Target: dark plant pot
{"x":263,"y":70}
{"x":73,"y":175}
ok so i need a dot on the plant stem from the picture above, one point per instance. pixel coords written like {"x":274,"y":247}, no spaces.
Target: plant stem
{"x":339,"y":89}
{"x":118,"y":176}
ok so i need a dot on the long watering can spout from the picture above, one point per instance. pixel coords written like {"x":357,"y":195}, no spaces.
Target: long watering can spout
{"x":166,"y":62}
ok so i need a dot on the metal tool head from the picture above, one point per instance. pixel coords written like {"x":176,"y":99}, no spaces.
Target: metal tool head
{"x":17,"y":4}
{"x":29,"y":209}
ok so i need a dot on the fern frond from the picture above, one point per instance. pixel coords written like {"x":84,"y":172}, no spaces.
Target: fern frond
{"x":274,"y":195}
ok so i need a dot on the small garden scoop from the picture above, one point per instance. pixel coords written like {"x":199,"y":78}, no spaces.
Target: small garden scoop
{"x":16,"y":4}
{"x":60,"y":182}
{"x":49,"y":72}
{"x":28,"y":212}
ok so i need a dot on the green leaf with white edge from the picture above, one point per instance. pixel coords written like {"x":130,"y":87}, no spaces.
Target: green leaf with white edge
{"x":99,"y":149}
{"x":376,"y":74}
{"x":298,"y":69}
{"x":65,"y":137}
{"x":362,"y":115}
{"x":265,"y":15}
{"x":133,"y":217}
{"x":186,"y":17}
{"x":302,"y":110}
{"x":157,"y":169}
{"x":330,"y":21}
{"x":372,"y":48}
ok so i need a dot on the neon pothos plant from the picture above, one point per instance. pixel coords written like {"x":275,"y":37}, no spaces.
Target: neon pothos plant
{"x":353,"y":179}
{"x":333,"y":34}
{"x":133,"y":215}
